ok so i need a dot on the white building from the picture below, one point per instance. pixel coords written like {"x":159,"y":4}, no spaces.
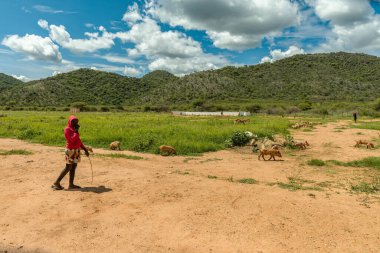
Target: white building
{"x":221,"y":113}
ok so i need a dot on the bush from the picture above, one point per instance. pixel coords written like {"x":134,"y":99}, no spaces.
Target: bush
{"x":292,"y":109}
{"x":253,"y":108}
{"x":143,"y":143}
{"x":237,"y":139}
{"x":28,"y":134}
{"x":305,"y":106}
{"x":198,"y":103}
{"x":377,"y":104}
{"x":104,"y":109}
{"x":79,"y":105}
{"x":275,"y":111}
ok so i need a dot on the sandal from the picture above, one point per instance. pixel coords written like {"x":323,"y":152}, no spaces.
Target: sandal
{"x":57,"y":187}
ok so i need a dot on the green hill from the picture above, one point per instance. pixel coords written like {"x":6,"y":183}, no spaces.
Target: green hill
{"x":315,"y":77}
{"x":7,"y":82}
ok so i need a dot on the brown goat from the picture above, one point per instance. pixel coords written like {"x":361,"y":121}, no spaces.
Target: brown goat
{"x":241,"y":121}
{"x":115,"y":145}
{"x":168,"y":149}
{"x":271,"y":152}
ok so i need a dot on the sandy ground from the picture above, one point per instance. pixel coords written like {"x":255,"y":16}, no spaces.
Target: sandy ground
{"x":173,"y":204}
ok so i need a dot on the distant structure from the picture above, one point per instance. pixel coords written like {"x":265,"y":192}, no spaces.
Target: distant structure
{"x":222,"y":113}
{"x":74,"y":110}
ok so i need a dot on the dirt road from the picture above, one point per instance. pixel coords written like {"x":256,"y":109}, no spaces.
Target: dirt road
{"x":192,"y":204}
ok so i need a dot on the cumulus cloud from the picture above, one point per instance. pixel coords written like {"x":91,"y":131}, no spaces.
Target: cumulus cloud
{"x":278,"y":54}
{"x":43,"y":24}
{"x":231,"y":24}
{"x":21,"y":77}
{"x":34,"y":47}
{"x":133,"y":14}
{"x":151,"y":41}
{"x":183,"y":66}
{"x":354,"y":24}
{"x":131,"y":71}
{"x":343,"y":12}
{"x":93,"y":43}
{"x":169,"y":50}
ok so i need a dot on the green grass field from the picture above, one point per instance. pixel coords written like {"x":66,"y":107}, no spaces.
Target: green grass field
{"x":375,"y":125}
{"x":142,"y":132}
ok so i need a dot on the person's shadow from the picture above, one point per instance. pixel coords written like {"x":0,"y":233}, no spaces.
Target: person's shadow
{"x":95,"y":189}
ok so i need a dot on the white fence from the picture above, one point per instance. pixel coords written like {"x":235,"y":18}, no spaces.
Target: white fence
{"x":180,"y":113}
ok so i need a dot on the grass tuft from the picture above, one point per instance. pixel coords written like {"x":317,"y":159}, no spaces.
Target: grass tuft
{"x":370,"y":162}
{"x":248,"y":181}
{"x":366,"y":187}
{"x":316,"y":162}
{"x":132,"y":157}
{"x":16,"y":152}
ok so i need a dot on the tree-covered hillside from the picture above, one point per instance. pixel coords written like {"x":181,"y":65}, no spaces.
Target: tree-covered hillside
{"x":7,"y":82}
{"x":314,"y":77}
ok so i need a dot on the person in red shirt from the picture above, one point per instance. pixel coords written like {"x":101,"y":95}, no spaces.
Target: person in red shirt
{"x":72,"y":153}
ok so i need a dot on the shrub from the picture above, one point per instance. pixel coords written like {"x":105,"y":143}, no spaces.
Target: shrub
{"x":104,"y":109}
{"x":253,"y":108}
{"x":238,"y":139}
{"x":292,"y":109}
{"x":275,"y":111}
{"x":305,"y":106}
{"x":377,"y":104}
{"x":143,"y":143}
{"x":28,"y":134}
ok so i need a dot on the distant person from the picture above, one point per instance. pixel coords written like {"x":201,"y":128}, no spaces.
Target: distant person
{"x":355,"y":114}
{"x":72,"y":153}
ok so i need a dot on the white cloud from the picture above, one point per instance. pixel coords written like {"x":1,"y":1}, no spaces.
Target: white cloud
{"x":355,"y":26}
{"x":107,"y":68}
{"x":278,"y":54}
{"x":131,"y":71}
{"x":43,"y":24}
{"x":21,"y":77}
{"x":231,"y":24}
{"x":56,"y":72}
{"x":93,"y":43}
{"x":89,"y":25}
{"x":116,"y":58}
{"x":48,"y":9}
{"x":343,"y":12}
{"x":132,"y":15}
{"x":169,"y":50}
{"x":183,"y":66}
{"x":34,"y":47}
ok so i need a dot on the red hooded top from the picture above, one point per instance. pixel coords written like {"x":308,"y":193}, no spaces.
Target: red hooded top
{"x":72,"y":138}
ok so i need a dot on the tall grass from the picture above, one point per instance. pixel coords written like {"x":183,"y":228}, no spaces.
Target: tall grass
{"x":140,"y":132}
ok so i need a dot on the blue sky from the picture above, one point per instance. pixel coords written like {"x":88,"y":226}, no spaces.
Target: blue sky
{"x":40,"y":38}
